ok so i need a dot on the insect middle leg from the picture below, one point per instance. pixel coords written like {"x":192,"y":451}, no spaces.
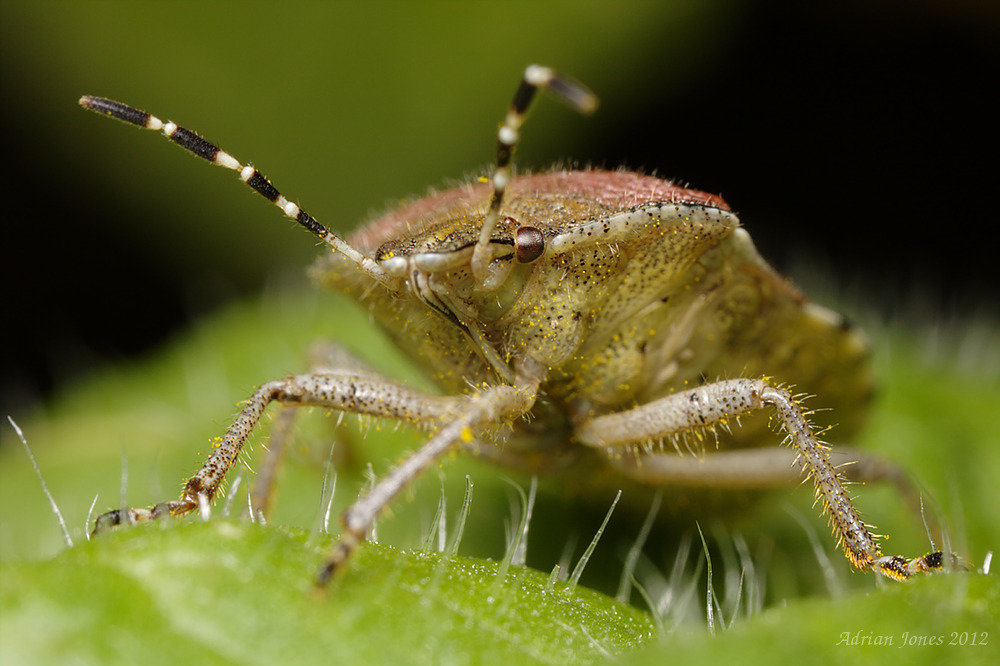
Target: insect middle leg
{"x":716,"y":404}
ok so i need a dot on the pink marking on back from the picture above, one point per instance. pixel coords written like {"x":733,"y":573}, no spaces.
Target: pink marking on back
{"x":617,"y":190}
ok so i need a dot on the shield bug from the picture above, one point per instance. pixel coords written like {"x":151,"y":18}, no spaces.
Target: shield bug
{"x":574,"y":320}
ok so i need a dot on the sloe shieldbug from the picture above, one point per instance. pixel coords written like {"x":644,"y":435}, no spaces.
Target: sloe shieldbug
{"x":573,"y":320}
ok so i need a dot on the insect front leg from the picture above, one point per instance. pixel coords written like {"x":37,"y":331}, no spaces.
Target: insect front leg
{"x":716,"y":404}
{"x":494,"y":406}
{"x":351,"y":390}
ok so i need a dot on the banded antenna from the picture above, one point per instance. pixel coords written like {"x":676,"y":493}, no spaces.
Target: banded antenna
{"x":197,"y":145}
{"x":535,"y":77}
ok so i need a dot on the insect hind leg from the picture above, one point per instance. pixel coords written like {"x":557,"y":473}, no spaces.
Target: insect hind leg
{"x":717,"y":403}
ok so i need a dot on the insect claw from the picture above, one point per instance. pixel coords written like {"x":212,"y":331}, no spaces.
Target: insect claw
{"x":116,"y":517}
{"x":318,"y":592}
{"x":337,"y":559}
{"x":108,"y":520}
{"x":901,"y":569}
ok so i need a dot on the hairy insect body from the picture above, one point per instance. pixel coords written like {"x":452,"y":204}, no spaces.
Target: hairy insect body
{"x":645,"y":289}
{"x":570,"y":319}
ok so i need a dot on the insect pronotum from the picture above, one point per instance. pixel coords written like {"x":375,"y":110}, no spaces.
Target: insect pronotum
{"x":593,"y":312}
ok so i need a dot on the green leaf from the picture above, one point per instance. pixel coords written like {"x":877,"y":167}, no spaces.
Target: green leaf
{"x":230,"y":592}
{"x":941,"y":619}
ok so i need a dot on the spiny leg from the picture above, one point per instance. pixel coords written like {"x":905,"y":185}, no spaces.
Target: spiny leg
{"x":535,"y":77}
{"x":347,"y":390}
{"x":494,"y":406}
{"x":757,"y":469}
{"x":717,"y":403}
{"x":199,"y":146}
{"x":323,"y":357}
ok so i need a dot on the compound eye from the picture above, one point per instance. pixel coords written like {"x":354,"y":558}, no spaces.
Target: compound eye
{"x":528,"y":244}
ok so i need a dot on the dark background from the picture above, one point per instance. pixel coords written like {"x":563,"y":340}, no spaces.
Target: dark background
{"x":858,"y":142}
